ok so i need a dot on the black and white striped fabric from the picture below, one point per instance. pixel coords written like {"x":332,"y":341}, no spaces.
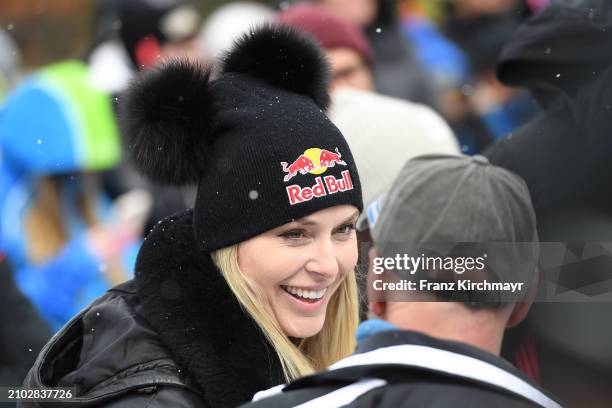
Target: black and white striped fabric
{"x":401,"y":369}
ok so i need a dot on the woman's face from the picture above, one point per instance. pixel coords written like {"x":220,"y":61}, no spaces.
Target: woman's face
{"x":300,"y":265}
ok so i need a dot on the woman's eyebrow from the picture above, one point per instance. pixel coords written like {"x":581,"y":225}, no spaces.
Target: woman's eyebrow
{"x":307,"y":221}
{"x":351,"y":218}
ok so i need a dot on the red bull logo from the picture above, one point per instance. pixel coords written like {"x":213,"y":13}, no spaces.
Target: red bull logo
{"x":316,"y":161}
{"x":313,"y":160}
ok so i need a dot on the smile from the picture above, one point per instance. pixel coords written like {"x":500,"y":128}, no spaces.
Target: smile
{"x":305,"y":294}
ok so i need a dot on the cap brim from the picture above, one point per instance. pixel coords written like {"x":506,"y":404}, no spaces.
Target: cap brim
{"x":370,"y":214}
{"x":362,"y":222}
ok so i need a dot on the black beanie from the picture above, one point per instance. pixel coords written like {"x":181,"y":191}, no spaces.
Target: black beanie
{"x":255,"y":140}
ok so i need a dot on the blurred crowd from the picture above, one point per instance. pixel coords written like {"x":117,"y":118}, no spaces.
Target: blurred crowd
{"x":526,"y":83}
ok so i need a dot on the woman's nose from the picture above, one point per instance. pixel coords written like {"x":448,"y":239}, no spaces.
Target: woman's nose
{"x":323,"y":261}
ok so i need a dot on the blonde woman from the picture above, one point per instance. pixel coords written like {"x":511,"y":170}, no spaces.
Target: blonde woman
{"x":255,"y":285}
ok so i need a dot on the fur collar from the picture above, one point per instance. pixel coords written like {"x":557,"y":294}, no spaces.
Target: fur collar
{"x":189,"y":304}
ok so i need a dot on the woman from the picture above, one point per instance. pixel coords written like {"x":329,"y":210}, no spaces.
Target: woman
{"x":65,"y":237}
{"x":255,"y":285}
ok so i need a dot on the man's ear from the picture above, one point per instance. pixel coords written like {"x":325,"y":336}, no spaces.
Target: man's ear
{"x":520,"y":309}
{"x":377,"y":307}
{"x":372,"y":253}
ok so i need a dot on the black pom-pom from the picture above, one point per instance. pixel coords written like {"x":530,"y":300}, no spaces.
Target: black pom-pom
{"x":165,"y":116}
{"x":284,"y":57}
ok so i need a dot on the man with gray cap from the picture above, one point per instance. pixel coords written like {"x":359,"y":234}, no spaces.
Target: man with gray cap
{"x":454,"y":263}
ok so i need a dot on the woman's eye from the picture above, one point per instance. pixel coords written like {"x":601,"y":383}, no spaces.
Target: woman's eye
{"x":346,"y":229}
{"x":293,"y":234}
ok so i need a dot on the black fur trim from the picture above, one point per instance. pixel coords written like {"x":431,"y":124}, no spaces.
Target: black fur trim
{"x":283,"y":57}
{"x":165,"y":116}
{"x":197,"y":317}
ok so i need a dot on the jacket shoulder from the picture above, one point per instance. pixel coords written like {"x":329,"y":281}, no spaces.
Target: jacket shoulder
{"x":111,"y":355}
{"x":438,"y":394}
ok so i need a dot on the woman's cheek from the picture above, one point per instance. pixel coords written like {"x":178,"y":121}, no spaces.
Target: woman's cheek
{"x":349,"y":255}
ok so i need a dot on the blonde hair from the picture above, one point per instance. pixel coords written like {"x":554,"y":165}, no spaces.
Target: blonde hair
{"x":336,"y":339}
{"x":45,"y":229}
{"x":45,"y":226}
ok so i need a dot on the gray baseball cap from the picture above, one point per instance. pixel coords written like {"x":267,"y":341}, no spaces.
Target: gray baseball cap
{"x":448,"y":203}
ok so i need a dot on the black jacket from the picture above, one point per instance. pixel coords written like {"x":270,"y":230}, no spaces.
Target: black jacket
{"x":408,"y":369}
{"x":22,"y":331}
{"x":562,"y":56}
{"x":175,"y":336}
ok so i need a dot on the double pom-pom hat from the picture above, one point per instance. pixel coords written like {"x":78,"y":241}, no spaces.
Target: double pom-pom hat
{"x":255,"y":140}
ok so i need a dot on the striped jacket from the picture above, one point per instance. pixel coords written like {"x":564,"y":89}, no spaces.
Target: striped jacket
{"x":408,"y":369}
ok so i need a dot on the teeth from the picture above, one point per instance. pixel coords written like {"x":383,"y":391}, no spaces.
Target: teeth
{"x":306,"y":294}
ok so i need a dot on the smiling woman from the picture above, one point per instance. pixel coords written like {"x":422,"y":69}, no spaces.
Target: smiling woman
{"x":298,"y":281}
{"x":251,"y":288}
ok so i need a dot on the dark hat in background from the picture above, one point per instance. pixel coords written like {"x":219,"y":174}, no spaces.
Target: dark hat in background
{"x":451,"y":202}
{"x":328,"y":29}
{"x":155,"y":22}
{"x":560,"y":48}
{"x":255,"y":140}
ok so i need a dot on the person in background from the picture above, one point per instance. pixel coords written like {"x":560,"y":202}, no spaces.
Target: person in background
{"x":396,"y":71}
{"x":226,"y":23}
{"x":561,"y":55}
{"x":563,"y":153}
{"x":9,"y":64}
{"x":131,"y":36}
{"x":67,"y":241}
{"x":445,"y":63}
{"x":384,"y":133}
{"x":431,"y":347}
{"x":346,"y":48}
{"x":482,"y":109}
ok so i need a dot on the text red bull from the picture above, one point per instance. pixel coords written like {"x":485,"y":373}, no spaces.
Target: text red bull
{"x":322,"y":187}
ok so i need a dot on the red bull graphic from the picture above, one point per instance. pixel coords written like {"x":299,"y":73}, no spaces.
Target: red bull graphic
{"x":301,"y":165}
{"x":313,"y":160}
{"x":329,"y":159}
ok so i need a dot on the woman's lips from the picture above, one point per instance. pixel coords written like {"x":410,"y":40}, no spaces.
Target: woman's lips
{"x":309,"y":301}
{"x":308,"y":293}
